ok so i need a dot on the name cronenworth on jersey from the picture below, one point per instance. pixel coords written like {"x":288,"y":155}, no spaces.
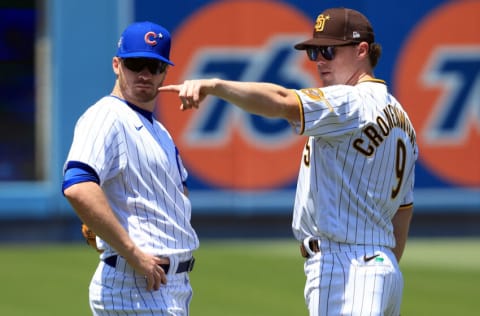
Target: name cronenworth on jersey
{"x":376,"y":133}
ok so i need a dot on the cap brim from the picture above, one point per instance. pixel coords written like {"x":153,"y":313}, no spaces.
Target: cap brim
{"x":316,"y":41}
{"x":145,"y":55}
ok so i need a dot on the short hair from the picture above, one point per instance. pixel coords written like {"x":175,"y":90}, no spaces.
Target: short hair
{"x":374,"y":52}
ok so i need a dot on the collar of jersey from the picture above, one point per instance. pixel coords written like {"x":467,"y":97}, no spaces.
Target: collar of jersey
{"x":372,"y":80}
{"x":146,"y":114}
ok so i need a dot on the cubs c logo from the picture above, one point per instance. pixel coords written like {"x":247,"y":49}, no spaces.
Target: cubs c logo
{"x":151,"y":38}
{"x":221,"y":145}
{"x":438,"y":82}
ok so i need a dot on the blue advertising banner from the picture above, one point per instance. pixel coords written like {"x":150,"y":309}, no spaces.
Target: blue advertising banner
{"x":430,"y":59}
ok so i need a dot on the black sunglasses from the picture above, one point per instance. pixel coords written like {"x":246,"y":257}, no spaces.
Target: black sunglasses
{"x":155,"y":66}
{"x":327,"y":52}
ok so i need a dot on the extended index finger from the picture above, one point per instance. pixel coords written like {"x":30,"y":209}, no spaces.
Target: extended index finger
{"x":171,"y":88}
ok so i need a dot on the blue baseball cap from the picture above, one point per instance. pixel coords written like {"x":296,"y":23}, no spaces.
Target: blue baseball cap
{"x":145,"y":40}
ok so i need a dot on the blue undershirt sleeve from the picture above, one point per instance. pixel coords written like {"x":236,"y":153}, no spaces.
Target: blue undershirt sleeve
{"x":77,"y":172}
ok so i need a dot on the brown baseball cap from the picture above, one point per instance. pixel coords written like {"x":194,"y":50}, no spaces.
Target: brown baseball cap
{"x":339,"y":26}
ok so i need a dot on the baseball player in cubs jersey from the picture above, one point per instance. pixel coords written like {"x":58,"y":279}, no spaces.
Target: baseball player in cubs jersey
{"x":125,"y":179}
{"x":354,"y":197}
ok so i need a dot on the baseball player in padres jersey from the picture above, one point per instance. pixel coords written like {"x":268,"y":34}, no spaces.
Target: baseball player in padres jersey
{"x":125,"y":179}
{"x":354,"y":197}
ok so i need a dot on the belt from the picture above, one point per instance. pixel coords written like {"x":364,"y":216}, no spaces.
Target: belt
{"x":309,"y":247}
{"x":185,"y":266}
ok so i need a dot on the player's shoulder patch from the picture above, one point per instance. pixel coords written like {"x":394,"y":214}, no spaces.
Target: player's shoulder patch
{"x":315,"y":94}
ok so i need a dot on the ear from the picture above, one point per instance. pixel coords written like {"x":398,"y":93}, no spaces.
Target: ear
{"x":116,"y":65}
{"x":362,"y":49}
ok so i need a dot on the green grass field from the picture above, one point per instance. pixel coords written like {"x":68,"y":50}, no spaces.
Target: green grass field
{"x":442,"y":277}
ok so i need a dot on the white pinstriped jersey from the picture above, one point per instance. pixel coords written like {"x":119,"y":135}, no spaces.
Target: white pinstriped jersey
{"x":141,"y":174}
{"x":357,"y":167}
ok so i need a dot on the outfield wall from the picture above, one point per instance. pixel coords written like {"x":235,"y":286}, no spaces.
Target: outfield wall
{"x":239,"y":163}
